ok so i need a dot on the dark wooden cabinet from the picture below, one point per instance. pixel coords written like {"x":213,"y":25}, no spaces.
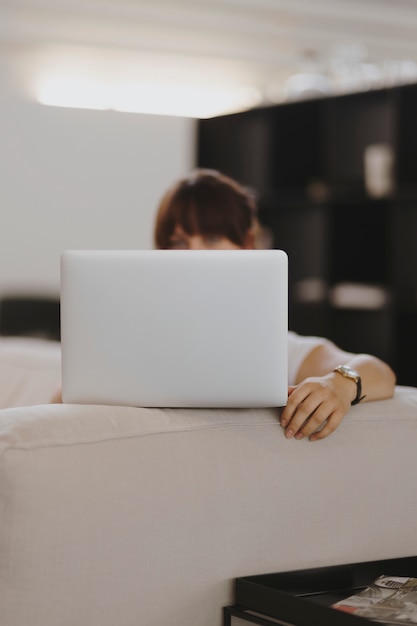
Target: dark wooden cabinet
{"x":352,"y":243}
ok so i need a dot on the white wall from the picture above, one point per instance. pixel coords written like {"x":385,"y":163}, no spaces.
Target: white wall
{"x":79,"y":179}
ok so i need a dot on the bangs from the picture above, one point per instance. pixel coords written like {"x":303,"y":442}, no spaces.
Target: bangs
{"x":204,"y":206}
{"x":202,"y":217}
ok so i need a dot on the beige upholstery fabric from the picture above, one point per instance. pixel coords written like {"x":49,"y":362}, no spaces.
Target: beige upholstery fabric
{"x":143,"y":517}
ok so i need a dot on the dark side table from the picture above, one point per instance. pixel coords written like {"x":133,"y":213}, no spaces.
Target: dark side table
{"x":304,"y":597}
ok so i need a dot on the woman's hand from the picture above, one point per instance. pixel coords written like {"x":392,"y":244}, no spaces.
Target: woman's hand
{"x":322,"y":397}
{"x":316,"y":406}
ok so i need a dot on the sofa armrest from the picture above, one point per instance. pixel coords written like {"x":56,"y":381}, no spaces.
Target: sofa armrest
{"x":119,"y":515}
{"x":403,"y":404}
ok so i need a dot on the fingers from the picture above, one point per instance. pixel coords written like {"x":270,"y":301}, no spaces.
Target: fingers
{"x":313,"y":410}
{"x":330,"y":426}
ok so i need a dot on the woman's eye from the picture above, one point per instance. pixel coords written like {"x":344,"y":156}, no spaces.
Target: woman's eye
{"x":212,"y":240}
{"x":177,"y":244}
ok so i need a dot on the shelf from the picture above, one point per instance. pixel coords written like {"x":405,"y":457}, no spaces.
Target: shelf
{"x":306,"y":161}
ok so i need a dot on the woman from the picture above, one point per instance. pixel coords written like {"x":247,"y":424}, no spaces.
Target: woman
{"x":210,"y":211}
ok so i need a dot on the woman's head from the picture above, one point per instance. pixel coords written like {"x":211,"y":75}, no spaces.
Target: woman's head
{"x":206,"y":210}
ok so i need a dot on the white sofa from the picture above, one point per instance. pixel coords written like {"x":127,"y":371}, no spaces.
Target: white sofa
{"x":116,"y":516}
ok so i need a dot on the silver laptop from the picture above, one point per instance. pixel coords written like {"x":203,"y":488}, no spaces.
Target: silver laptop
{"x":174,"y":328}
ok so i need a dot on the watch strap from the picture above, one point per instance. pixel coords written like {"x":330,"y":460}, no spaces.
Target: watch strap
{"x":358,"y":397}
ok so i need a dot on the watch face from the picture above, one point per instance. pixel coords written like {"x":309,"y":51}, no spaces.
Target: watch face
{"x":348,"y":372}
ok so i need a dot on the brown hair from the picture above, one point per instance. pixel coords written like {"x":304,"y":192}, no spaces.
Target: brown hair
{"x":206,"y":202}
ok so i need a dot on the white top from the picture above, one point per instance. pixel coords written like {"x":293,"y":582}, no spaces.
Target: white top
{"x":298,"y":348}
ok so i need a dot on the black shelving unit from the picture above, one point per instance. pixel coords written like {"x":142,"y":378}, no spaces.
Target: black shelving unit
{"x":306,"y":162}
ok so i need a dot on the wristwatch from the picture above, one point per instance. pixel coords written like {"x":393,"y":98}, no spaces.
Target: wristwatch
{"x":348,"y":372}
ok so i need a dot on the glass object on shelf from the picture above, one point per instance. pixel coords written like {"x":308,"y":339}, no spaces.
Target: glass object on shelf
{"x":379,"y":170}
{"x":309,"y":290}
{"x":358,"y":296}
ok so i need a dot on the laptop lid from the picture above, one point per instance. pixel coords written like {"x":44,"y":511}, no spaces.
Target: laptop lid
{"x":174,"y":328}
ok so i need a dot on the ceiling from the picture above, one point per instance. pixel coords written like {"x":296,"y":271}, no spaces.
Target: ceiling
{"x":275,"y":49}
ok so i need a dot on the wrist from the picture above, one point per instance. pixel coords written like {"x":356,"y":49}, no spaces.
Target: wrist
{"x":344,"y":388}
{"x":351,"y":375}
